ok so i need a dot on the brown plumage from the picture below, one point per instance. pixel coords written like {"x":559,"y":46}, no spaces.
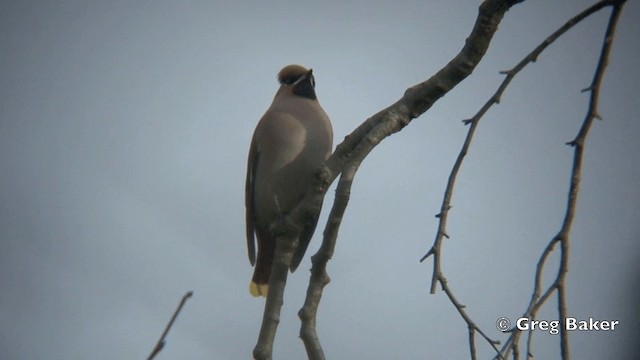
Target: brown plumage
{"x":290,"y":143}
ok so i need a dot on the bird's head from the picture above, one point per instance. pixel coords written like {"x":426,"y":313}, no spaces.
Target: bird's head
{"x":299,"y":80}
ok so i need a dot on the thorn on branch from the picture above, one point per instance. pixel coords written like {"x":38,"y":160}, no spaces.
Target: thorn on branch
{"x":467,"y":121}
{"x":571,"y":143}
{"x":429,"y":253}
{"x":590,"y":88}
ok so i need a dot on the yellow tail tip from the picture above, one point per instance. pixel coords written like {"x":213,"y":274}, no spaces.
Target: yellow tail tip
{"x":258,"y":289}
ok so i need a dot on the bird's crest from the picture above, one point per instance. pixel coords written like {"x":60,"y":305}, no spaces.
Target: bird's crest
{"x":290,"y":73}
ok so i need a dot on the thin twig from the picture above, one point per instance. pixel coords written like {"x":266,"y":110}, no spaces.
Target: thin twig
{"x":161,"y":342}
{"x":442,"y":216}
{"x":576,"y":171}
{"x":470,"y":323}
{"x":493,"y":100}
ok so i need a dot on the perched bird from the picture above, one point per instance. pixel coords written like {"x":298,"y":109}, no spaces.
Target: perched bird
{"x":292,"y":139}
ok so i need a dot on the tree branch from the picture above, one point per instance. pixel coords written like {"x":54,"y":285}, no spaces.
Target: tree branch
{"x":161,"y":342}
{"x":474,"y":121}
{"x":441,"y":233}
{"x":576,"y":172}
{"x":319,"y":277}
{"x":470,"y":323}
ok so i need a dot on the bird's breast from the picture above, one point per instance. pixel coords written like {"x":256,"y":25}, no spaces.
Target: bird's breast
{"x":291,"y":147}
{"x":285,"y":139}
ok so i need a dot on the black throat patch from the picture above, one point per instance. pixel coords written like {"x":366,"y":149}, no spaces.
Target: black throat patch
{"x":305,"y":88}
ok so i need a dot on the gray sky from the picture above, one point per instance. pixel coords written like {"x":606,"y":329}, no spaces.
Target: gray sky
{"x":124,"y":130}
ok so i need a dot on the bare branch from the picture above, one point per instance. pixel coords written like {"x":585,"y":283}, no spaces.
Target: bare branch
{"x":576,"y":172}
{"x":319,"y":277}
{"x":470,"y":323}
{"x":441,"y":233}
{"x":161,"y":342}
{"x":286,"y":243}
{"x":493,"y":100}
{"x":472,"y":343}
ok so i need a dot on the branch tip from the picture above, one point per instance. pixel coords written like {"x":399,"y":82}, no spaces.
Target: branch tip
{"x":162,"y":342}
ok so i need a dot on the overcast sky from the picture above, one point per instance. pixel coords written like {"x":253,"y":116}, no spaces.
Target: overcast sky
{"x":124,"y":131}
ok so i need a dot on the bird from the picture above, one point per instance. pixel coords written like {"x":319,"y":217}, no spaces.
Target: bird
{"x":291,"y":141}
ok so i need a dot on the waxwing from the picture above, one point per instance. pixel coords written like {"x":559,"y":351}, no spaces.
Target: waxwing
{"x":292,"y":139}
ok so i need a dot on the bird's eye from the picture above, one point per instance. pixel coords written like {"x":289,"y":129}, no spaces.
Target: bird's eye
{"x":290,"y":80}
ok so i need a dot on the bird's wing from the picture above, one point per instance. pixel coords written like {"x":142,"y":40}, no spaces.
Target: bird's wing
{"x":249,"y":201}
{"x":303,"y":241}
